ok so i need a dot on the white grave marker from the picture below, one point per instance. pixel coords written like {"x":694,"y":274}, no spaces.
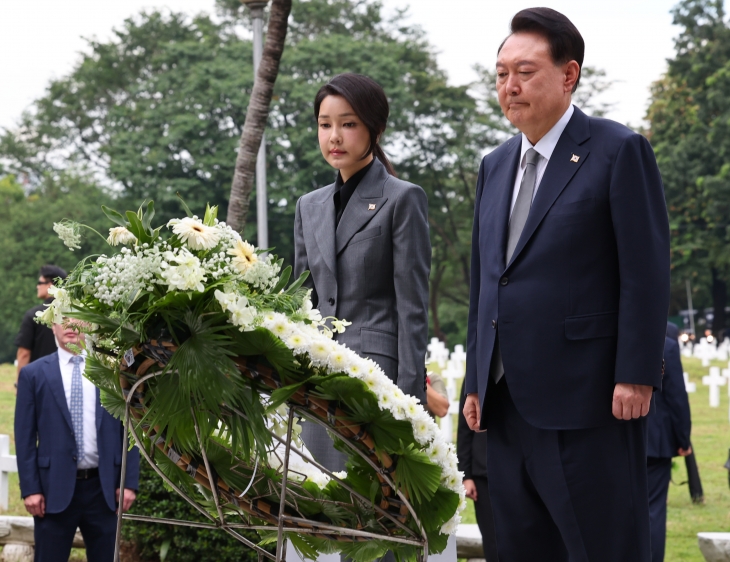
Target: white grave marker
{"x":714,"y":381}
{"x":8,"y":463}
{"x":689,"y":386}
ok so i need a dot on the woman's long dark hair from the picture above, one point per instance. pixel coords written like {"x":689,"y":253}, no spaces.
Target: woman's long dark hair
{"x":367,"y":99}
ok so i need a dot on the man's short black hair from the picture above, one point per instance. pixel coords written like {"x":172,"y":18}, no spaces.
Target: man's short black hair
{"x":51,"y":272}
{"x":566,"y":42}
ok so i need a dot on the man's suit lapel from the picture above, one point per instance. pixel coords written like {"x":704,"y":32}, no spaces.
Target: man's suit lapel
{"x":560,"y":170}
{"x":364,"y":204}
{"x":55,"y":382}
{"x":322,"y":213}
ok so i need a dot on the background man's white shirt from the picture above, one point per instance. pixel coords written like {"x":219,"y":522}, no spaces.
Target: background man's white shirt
{"x":91,"y":450}
{"x":544,"y":147}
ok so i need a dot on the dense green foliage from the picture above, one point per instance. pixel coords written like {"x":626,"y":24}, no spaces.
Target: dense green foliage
{"x":181,"y":544}
{"x":690,"y":132}
{"x":26,"y":229}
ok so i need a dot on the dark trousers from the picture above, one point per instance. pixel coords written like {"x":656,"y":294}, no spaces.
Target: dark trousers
{"x":659,"y":473}
{"x":54,"y":532}
{"x":485,"y":518}
{"x":566,"y":495}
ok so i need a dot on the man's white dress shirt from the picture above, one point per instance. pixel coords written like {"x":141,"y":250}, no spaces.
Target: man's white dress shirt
{"x":91,"y":450}
{"x":544,"y":147}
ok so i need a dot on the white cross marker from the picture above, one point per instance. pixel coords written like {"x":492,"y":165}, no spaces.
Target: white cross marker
{"x":714,"y":381}
{"x":689,"y":386}
{"x":8,"y":464}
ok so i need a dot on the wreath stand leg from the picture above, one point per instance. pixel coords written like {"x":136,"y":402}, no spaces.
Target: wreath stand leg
{"x":122,"y":477}
{"x":280,"y":544}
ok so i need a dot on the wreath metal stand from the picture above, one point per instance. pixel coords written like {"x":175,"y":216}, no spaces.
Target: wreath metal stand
{"x":285,"y":523}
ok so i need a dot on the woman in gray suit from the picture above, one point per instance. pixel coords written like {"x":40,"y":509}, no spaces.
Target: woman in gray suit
{"x":365,"y":240}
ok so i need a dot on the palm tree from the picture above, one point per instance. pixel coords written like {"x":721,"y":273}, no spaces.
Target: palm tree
{"x":257,"y":114}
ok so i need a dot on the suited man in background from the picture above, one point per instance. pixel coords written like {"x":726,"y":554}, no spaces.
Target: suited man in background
{"x":669,"y":433}
{"x":569,"y":293}
{"x":365,"y":240}
{"x":471,"y":450}
{"x":69,"y":452}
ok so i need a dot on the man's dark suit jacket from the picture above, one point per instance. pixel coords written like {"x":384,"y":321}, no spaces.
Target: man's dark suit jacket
{"x":45,"y":445}
{"x":582,"y":304}
{"x":669,"y":423}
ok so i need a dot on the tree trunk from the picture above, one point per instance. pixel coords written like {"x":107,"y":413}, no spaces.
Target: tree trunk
{"x":719,"y":302}
{"x":257,"y":114}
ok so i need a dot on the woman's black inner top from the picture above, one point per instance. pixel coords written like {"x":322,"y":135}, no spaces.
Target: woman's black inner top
{"x":344,"y":190}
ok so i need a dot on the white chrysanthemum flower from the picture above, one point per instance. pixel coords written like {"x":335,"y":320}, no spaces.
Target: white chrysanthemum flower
{"x":320,"y":351}
{"x":244,"y":256}
{"x":195,"y":234}
{"x":437,"y":451}
{"x":450,"y":527}
{"x":355,"y":370}
{"x":281,"y":327}
{"x":371,"y":380}
{"x":385,"y":401}
{"x":451,"y":480}
{"x":412,"y":406}
{"x":297,"y":342}
{"x":422,"y":431}
{"x":70,"y":233}
{"x":120,"y":235}
{"x":338,"y":361}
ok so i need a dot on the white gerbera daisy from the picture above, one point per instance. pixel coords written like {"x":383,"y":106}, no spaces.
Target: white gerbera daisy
{"x":120,"y":235}
{"x":244,"y":256}
{"x":195,"y":234}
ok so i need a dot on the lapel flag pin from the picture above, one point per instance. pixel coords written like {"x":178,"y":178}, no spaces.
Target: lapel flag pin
{"x":574,"y":158}
{"x":371,"y":207}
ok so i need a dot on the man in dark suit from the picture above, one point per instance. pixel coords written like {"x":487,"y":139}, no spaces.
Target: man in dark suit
{"x":569,"y":293}
{"x":471,"y":450}
{"x":669,"y":428}
{"x":69,"y":452}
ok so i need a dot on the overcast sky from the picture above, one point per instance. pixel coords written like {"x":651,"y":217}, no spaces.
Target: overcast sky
{"x":630,"y":39}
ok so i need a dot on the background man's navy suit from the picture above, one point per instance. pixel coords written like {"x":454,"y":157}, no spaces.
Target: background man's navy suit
{"x":669,"y":430}
{"x":580,"y":307}
{"x":46,"y":447}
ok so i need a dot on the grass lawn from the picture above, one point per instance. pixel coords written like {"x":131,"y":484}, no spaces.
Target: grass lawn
{"x":710,"y":438}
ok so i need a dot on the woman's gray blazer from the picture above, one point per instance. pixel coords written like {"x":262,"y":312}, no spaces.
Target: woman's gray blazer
{"x":372,"y":270}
